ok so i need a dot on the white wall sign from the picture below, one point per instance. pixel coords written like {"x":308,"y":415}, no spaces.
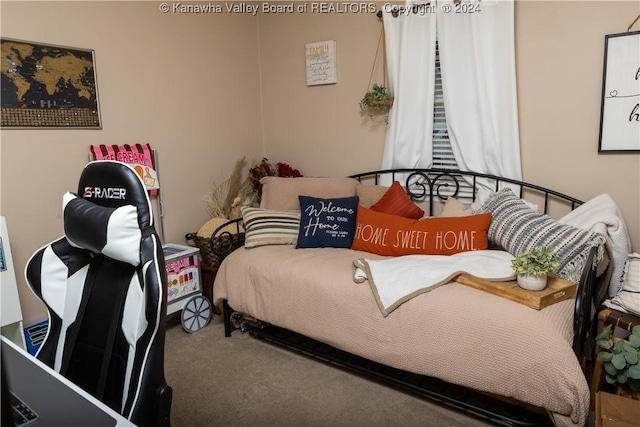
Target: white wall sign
{"x":321,"y":63}
{"x":620,"y":115}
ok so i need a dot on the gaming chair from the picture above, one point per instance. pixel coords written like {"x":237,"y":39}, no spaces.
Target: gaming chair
{"x":104,"y":286}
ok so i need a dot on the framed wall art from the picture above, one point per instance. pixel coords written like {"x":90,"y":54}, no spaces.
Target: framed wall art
{"x":620,"y":111}
{"x":47,"y":86}
{"x":321,"y":63}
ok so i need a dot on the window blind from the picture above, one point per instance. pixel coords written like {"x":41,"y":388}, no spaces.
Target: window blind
{"x":443,"y":157}
{"x":442,"y":154}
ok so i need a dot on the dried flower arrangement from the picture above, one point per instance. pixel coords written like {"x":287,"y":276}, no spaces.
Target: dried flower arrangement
{"x":227,"y":198}
{"x":264,"y":168}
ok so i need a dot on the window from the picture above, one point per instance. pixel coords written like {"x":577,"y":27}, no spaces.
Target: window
{"x":443,"y":157}
{"x":442,"y":153}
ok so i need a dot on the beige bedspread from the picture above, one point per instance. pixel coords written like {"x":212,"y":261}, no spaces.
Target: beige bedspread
{"x":456,"y":333}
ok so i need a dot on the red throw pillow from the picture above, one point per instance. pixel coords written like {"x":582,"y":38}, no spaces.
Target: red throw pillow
{"x":396,"y":201}
{"x":393,"y":235}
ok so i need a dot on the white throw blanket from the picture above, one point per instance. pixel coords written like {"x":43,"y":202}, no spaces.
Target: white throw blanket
{"x":602,"y":215}
{"x":397,"y":280}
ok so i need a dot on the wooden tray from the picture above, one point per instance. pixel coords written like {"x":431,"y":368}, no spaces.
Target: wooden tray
{"x":556,"y":290}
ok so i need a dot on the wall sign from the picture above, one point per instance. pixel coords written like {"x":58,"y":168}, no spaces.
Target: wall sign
{"x":321,"y":63}
{"x":620,"y":112}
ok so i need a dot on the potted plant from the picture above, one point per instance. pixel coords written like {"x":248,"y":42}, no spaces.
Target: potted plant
{"x":532,"y":267}
{"x":377,"y":101}
{"x":621,"y":360}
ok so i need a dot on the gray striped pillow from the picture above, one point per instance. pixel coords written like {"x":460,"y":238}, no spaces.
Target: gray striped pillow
{"x":270,"y":227}
{"x":517,"y":228}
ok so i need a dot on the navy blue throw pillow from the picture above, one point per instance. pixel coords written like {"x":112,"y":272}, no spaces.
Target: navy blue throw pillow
{"x":327,"y":223}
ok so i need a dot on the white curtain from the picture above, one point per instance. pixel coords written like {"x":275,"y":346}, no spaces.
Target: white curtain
{"x":410,"y":47}
{"x":477,"y":59}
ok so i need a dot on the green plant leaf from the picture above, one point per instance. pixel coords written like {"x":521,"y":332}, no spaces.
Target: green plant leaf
{"x":634,"y":385}
{"x":618,"y":361}
{"x":622,"y":378}
{"x":617,"y":347}
{"x":606,"y":357}
{"x":634,"y":341}
{"x":606,"y":344}
{"x":610,"y":369}
{"x":631,"y":357}
{"x":634,"y":371}
{"x":610,"y":379}
{"x":605,"y":334}
{"x":636,"y":330}
{"x":540,"y":260}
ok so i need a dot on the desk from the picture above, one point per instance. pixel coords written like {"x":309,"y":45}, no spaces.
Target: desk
{"x":56,"y":400}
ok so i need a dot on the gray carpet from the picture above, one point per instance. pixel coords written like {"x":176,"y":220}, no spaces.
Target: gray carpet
{"x":242,"y":381}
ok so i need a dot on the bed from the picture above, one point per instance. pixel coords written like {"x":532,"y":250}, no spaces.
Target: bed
{"x":479,"y":352}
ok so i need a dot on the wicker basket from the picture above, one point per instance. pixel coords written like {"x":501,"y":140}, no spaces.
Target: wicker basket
{"x":229,"y":239}
{"x":379,"y":104}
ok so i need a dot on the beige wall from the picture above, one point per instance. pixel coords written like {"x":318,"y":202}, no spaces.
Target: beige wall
{"x":190,"y":85}
{"x":559,"y":60}
{"x":187,"y":84}
{"x":319,"y":129}
{"x":559,"y":53}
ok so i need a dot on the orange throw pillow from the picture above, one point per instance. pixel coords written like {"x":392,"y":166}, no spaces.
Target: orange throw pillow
{"x":393,"y":235}
{"x":396,"y":201}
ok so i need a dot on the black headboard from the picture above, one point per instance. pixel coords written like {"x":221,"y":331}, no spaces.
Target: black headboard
{"x":436,"y":185}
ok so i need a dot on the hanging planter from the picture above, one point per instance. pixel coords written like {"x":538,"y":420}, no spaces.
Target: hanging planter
{"x":377,"y":101}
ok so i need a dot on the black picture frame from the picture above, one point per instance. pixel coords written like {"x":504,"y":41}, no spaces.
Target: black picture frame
{"x":620,"y":107}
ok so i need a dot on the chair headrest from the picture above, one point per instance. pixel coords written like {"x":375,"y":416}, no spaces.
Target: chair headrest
{"x":114,"y":184}
{"x":112,"y":213}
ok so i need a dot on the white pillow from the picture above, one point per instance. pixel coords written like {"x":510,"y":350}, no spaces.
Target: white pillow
{"x":627,"y":299}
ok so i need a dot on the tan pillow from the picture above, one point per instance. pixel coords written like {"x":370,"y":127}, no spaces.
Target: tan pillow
{"x":370,"y":194}
{"x":282,"y":193}
{"x":453,"y":207}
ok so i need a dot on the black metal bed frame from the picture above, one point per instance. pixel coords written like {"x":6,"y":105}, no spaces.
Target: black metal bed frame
{"x":430,"y":186}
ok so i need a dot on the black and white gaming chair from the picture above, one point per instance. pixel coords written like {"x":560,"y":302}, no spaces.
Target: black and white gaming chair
{"x":104,"y":285}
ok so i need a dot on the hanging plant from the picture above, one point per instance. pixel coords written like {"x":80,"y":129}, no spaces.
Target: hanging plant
{"x":377,"y":101}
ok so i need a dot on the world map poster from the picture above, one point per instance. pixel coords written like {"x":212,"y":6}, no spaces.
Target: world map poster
{"x":47,"y":86}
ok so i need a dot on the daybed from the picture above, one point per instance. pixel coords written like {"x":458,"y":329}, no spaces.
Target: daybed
{"x":478,"y":351}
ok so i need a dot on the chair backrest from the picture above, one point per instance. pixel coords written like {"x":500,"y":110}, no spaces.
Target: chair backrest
{"x":104,"y":286}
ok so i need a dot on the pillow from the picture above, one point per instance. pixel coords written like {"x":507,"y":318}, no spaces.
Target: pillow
{"x":270,"y":227}
{"x":393,"y":235}
{"x":121,"y":233}
{"x":483,"y":194}
{"x":627,"y":299}
{"x":517,"y":228}
{"x":396,"y":201}
{"x":453,"y":208}
{"x":327,"y":223}
{"x":370,"y":194}
{"x":282,"y":193}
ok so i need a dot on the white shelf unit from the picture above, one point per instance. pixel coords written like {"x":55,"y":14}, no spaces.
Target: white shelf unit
{"x":11,"y":312}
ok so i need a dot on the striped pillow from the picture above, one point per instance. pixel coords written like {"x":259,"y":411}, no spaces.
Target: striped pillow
{"x":270,"y":227}
{"x":517,"y":228}
{"x":628,"y":297}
